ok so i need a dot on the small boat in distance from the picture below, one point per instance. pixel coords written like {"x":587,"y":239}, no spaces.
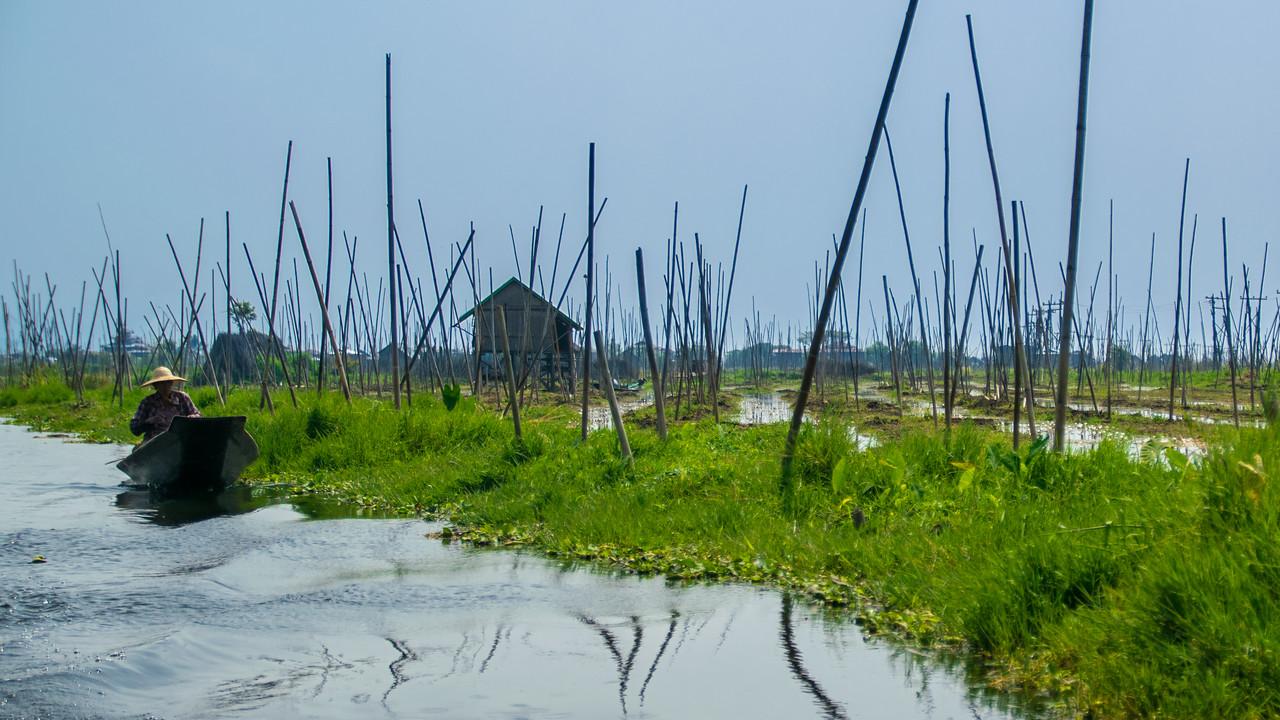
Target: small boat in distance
{"x":196,"y":455}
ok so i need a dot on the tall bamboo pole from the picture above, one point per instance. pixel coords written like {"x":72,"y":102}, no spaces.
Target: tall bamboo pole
{"x":1226,"y":303}
{"x":1177,"y":306}
{"x":915,"y":281}
{"x":1073,"y":239}
{"x":1019,"y":350}
{"x":391,"y":258}
{"x":948,"y":397}
{"x":819,"y":330}
{"x":591,"y":262}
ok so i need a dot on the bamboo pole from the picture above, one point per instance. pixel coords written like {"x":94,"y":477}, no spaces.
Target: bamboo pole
{"x":915,"y":280}
{"x":1226,"y":303}
{"x":1110,"y":300}
{"x":195,"y":315}
{"x":815,"y":344}
{"x":1177,"y":306}
{"x":948,"y":397}
{"x":1019,"y":351}
{"x":324,"y":303}
{"x":509,"y":374}
{"x":324,"y":309}
{"x":591,"y":261}
{"x":391,"y":257}
{"x":614,"y":411}
{"x":656,"y":377}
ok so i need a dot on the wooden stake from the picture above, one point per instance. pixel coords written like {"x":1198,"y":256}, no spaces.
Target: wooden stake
{"x":509,"y":374}
{"x":607,"y":381}
{"x":824,"y":314}
{"x":324,"y":309}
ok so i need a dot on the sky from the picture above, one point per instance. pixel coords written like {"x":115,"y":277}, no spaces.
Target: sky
{"x":167,"y":113}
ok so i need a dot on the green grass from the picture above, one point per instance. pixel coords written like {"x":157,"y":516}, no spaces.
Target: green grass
{"x":1116,"y":587}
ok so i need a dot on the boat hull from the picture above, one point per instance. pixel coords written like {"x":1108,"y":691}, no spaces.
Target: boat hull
{"x":194,"y":456}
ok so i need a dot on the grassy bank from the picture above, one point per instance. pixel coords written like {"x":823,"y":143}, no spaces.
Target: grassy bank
{"x":1122,"y":588}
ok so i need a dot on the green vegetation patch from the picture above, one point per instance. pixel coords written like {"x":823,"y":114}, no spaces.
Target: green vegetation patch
{"x":1116,"y":586}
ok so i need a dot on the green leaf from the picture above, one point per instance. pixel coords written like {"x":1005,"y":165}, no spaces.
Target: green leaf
{"x":1037,"y":448}
{"x":966,"y":479}
{"x":839,"y":476}
{"x":451,"y":393}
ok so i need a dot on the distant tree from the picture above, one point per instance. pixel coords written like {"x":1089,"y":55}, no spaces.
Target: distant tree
{"x":243,"y":313}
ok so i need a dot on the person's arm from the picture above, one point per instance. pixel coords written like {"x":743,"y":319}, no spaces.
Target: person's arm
{"x":141,"y":421}
{"x":189,"y":406}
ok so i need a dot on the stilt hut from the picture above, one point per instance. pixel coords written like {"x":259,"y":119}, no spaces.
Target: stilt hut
{"x":539,"y":336}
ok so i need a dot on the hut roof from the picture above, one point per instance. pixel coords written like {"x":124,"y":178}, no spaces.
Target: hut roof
{"x":523,"y":291}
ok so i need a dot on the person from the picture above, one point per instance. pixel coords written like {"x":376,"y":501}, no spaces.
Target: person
{"x":157,"y":410}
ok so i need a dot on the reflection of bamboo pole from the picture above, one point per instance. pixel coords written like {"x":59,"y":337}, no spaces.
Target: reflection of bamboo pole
{"x":509,"y":374}
{"x":324,"y":310}
{"x":606,"y":381}
{"x":659,"y":401}
{"x":815,"y":343}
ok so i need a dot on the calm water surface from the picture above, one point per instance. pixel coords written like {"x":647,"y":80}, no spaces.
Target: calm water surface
{"x":259,"y":608}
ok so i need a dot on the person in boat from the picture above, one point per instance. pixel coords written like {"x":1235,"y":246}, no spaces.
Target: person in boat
{"x":157,"y":410}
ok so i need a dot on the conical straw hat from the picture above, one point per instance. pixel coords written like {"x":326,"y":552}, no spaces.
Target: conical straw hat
{"x":162,"y":374}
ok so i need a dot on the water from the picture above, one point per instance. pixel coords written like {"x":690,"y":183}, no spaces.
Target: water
{"x":257,"y":608}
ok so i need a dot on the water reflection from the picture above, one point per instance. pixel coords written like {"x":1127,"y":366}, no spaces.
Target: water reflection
{"x":146,"y":507}
{"x":795,"y":661}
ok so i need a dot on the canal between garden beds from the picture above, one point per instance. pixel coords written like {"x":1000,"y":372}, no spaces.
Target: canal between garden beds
{"x":273,"y":607}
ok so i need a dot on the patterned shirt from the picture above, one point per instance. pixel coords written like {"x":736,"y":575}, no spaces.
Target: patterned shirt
{"x":155,"y":413}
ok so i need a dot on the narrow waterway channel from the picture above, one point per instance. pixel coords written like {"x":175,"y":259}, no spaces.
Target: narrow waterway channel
{"x":266,"y":607}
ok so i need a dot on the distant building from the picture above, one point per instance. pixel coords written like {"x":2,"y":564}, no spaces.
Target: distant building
{"x":539,"y":336}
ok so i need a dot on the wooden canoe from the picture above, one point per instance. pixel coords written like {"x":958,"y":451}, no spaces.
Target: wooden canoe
{"x":194,"y":456}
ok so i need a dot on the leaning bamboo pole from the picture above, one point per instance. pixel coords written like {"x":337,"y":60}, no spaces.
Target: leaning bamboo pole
{"x":324,"y":309}
{"x":195,"y":315}
{"x":824,"y":314}
{"x":915,"y":279}
{"x":655,"y":377}
{"x":1019,"y":351}
{"x":509,"y":374}
{"x":615,"y":412}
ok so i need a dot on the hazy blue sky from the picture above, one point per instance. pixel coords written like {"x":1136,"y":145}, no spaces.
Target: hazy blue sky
{"x":169,"y":112}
